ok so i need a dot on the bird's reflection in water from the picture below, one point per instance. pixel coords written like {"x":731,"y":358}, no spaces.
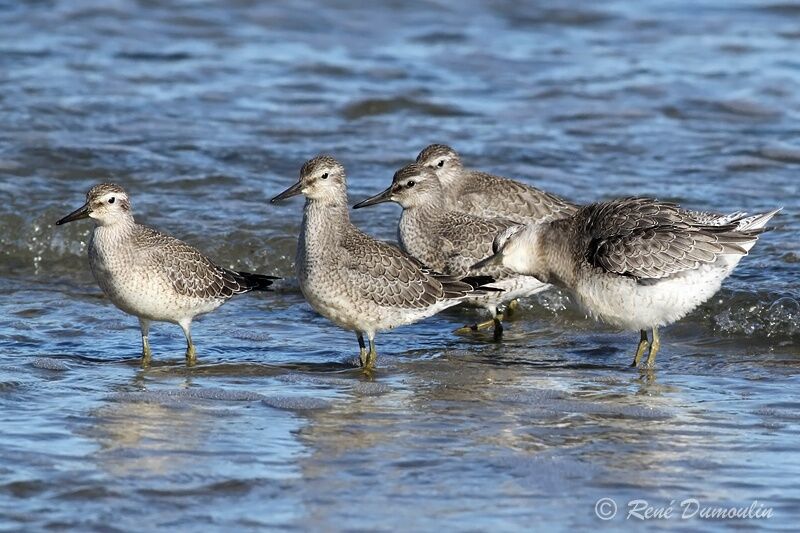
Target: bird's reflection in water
{"x":145,"y":433}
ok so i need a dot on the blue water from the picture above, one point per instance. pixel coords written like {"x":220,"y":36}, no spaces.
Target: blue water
{"x":203,"y":111}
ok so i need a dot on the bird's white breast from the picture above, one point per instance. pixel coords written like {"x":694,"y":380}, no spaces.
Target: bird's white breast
{"x":626,"y":303}
{"x":136,"y":284}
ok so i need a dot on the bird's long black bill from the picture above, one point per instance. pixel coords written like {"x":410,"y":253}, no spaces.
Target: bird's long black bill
{"x":385,"y":196}
{"x":294,"y":190}
{"x":78,"y":214}
{"x":496,"y":259}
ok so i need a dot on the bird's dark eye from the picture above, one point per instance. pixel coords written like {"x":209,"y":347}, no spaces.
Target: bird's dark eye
{"x":410,"y":184}
{"x":440,"y":164}
{"x":324,"y":176}
{"x":111,"y":200}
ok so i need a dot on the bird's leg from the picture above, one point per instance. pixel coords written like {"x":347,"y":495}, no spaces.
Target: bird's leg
{"x":362,"y":350}
{"x":493,"y":322}
{"x":498,"y":328}
{"x":497,"y":320}
{"x":511,"y":308}
{"x":643,"y":344}
{"x":147,"y":355}
{"x":651,"y":357}
{"x":372,"y":356}
{"x":191,"y":354}
{"x":476,"y":327}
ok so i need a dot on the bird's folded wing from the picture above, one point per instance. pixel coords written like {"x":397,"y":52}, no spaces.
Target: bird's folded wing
{"x":384,"y":274}
{"x":468,"y":239}
{"x":188,"y":271}
{"x":644,"y":238}
{"x":535,"y":204}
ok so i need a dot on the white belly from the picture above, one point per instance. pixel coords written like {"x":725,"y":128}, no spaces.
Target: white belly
{"x":624,"y":303}
{"x":145,"y":292}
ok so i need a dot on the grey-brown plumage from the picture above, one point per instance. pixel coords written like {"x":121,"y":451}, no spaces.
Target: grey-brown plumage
{"x":356,"y":281}
{"x":636,"y":263}
{"x":190,"y":272}
{"x":487,"y":195}
{"x":648,"y":239}
{"x":451,"y":241}
{"x":390,"y":278}
{"x":152,"y":275}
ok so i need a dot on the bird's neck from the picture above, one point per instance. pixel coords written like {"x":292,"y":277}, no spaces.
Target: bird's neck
{"x":115,"y":232}
{"x":452,"y":180}
{"x":555,"y":254}
{"x":428,"y":205}
{"x":417,"y":234}
{"x":323,"y":222}
{"x":417,"y":217}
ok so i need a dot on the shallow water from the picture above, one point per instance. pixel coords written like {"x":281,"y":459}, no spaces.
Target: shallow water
{"x":205,"y":112}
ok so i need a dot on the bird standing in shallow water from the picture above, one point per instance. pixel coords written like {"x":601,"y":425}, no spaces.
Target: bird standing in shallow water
{"x":450,"y":241}
{"x":358,"y":282}
{"x":487,"y":195}
{"x":635,"y":263}
{"x":152,"y":275}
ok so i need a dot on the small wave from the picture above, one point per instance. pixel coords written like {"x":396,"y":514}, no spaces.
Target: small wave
{"x":723,"y":109}
{"x":48,"y":363}
{"x":749,"y":163}
{"x":783,"y":153}
{"x":555,"y":301}
{"x":555,"y":401}
{"x":296,"y":403}
{"x":558,"y":17}
{"x":29,"y":244}
{"x":154,"y":56}
{"x":747,"y":108}
{"x":771,"y":319}
{"x":171,"y":395}
{"x":781,"y":8}
{"x":379,"y":106}
{"x":42,"y":247}
{"x":438,"y":37}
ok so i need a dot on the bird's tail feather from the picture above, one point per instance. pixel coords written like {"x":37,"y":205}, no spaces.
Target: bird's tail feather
{"x":756,"y":221}
{"x":255,"y":282}
{"x":749,"y":228}
{"x":470,"y":285}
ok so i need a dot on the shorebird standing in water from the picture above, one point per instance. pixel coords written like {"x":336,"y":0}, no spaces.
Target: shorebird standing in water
{"x":152,"y":275}
{"x":490,"y":196}
{"x":356,"y":281}
{"x":451,"y":241}
{"x":635,"y":263}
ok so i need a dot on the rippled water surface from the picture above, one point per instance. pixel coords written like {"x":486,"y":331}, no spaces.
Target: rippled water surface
{"x":204,"y":111}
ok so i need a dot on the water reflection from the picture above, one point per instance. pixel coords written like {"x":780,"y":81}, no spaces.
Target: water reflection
{"x":207,"y":110}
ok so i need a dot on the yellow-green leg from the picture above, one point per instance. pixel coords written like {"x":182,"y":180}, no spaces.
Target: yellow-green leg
{"x":362,"y":350}
{"x":654,"y":347}
{"x":495,"y":322}
{"x":511,"y":308}
{"x":643,"y":344}
{"x":372,"y":354}
{"x":191,"y":353}
{"x":147,"y":354}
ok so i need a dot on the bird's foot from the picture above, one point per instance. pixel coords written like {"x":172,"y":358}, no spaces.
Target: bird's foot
{"x":651,"y":357}
{"x":191,"y":356}
{"x":147,"y":356}
{"x":643,"y":345}
{"x":475,"y":327}
{"x":367,"y":360}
